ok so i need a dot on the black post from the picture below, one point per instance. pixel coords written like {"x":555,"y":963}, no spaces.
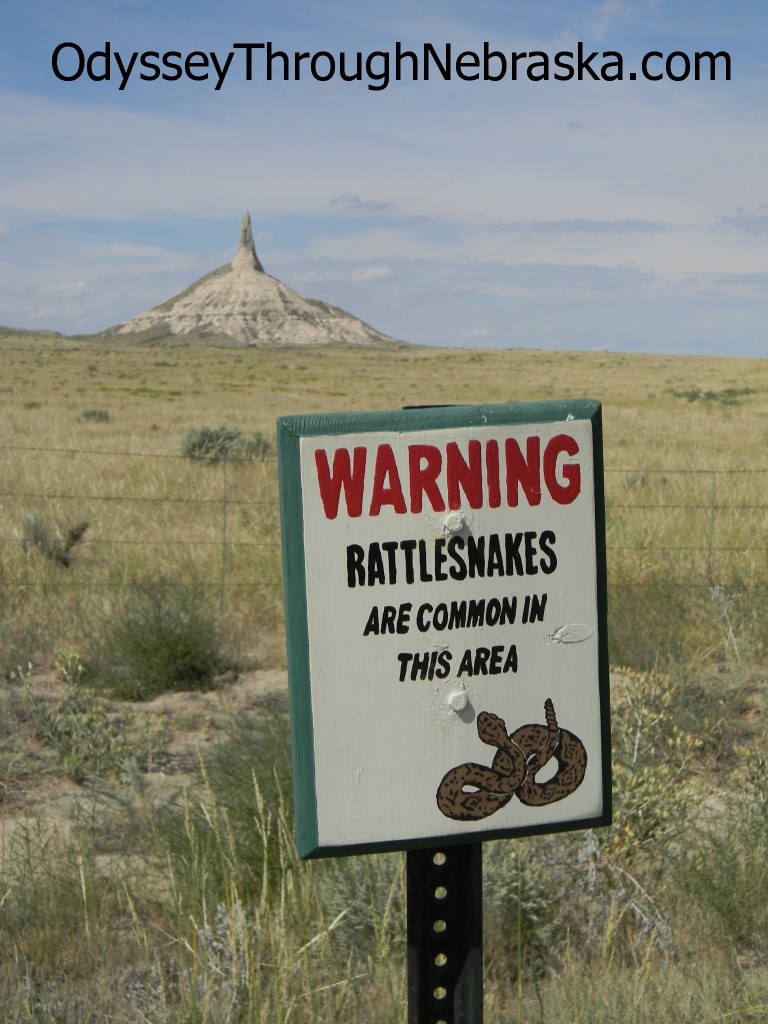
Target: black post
{"x":445,"y":935}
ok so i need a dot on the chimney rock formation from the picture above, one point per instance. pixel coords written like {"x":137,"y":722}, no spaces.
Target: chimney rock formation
{"x":246,"y":251}
{"x":241,"y":303}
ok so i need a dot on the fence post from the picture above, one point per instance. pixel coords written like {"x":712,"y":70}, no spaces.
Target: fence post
{"x":225,"y":501}
{"x":711,"y":539}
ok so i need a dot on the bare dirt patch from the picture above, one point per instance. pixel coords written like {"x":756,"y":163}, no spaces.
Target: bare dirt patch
{"x":36,"y":790}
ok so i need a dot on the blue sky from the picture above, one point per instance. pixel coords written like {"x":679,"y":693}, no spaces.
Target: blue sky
{"x":629,"y":216}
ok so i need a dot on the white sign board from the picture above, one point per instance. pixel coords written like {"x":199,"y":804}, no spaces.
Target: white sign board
{"x":445,"y":595}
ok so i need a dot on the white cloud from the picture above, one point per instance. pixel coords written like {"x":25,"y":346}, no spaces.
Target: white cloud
{"x":375,"y":273}
{"x":477,"y":334}
{"x":582,"y":226}
{"x":350,"y":202}
{"x":67,"y":288}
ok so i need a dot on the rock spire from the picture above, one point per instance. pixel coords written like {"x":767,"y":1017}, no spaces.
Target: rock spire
{"x":240,"y":303}
{"x":246,"y":251}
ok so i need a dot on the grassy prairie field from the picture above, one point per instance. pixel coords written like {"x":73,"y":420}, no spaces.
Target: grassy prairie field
{"x":194,"y":909}
{"x":660,"y":411}
{"x":87,"y":423}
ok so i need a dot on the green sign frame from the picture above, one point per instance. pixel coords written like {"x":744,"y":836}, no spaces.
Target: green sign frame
{"x":291,"y":431}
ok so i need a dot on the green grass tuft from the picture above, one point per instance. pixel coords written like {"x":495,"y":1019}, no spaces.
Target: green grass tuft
{"x":162,"y":638}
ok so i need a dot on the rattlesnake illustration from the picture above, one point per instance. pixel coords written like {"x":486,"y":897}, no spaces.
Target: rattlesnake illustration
{"x":473,"y":791}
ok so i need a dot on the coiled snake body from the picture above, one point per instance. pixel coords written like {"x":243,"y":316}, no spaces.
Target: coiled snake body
{"x":472,"y":791}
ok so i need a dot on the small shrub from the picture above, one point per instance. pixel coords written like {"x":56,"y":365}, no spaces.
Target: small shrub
{"x":54,"y":895}
{"x":726,"y":873}
{"x":520,"y":895}
{"x":366,"y":898}
{"x":215,"y":444}
{"x":255,"y":448}
{"x":96,"y":415}
{"x":80,"y":730}
{"x":726,"y":396}
{"x":209,"y":443}
{"x":661,"y":724}
{"x":163,"y":638}
{"x":635,"y":479}
{"x":23,"y":634}
{"x":37,"y":535}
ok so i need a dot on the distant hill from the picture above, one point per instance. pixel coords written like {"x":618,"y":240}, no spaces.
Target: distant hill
{"x":23,"y":332}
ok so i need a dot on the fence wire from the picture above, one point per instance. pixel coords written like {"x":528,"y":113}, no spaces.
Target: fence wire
{"x":700,"y":527}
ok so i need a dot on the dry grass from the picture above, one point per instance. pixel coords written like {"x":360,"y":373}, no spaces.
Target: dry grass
{"x":153,"y":394}
{"x":663,"y":417}
{"x":206,"y":915}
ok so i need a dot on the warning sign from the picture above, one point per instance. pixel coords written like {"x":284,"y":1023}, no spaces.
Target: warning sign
{"x":445,"y":596}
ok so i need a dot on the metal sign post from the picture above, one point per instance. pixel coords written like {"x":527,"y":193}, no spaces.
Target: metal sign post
{"x":445,"y":935}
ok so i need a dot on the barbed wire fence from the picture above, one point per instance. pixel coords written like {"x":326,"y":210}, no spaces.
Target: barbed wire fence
{"x":191,"y":510}
{"x":656,"y":490}
{"x":687,"y":564}
{"x":726,"y":503}
{"x":698,"y":529}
